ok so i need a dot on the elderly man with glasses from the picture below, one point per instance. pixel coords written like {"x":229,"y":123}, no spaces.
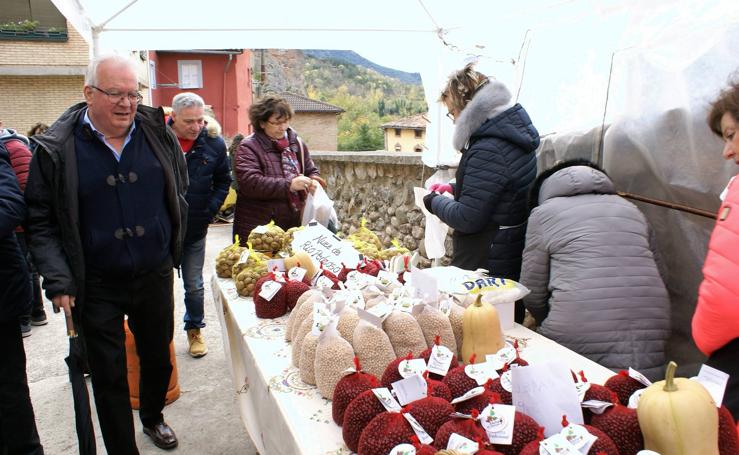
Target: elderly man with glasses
{"x":106,"y":222}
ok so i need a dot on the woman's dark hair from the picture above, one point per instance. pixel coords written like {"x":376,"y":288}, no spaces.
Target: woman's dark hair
{"x":265,"y":108}
{"x":536,"y":187}
{"x":728,"y":101}
{"x":38,"y":128}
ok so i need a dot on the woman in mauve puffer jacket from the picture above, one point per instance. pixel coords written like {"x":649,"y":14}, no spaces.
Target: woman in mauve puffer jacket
{"x":716,"y":318}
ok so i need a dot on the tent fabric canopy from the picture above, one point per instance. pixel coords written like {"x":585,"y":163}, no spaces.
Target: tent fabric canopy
{"x":625,"y":83}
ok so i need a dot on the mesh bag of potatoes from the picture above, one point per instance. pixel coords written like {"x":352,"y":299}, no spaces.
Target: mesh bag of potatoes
{"x":251,"y":267}
{"x":268,"y":238}
{"x":396,"y":250}
{"x":287,"y":247}
{"x":367,"y":249}
{"x":365,"y":235}
{"x":227,"y":258}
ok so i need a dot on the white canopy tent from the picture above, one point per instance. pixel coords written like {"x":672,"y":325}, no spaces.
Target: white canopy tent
{"x":648,"y":69}
{"x":554,"y":54}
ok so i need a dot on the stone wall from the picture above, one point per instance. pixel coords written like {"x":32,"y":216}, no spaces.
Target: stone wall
{"x":379,"y":187}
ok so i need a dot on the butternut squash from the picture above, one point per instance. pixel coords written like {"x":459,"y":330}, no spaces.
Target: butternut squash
{"x":481,"y":332}
{"x":677,"y":416}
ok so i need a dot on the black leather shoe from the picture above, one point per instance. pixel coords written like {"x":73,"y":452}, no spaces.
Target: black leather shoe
{"x":162,"y":436}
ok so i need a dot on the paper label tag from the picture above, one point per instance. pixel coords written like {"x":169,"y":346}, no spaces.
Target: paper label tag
{"x":403,"y":449}
{"x":406,"y":304}
{"x":408,"y":368}
{"x":386,"y":278}
{"x":410,"y":389}
{"x":260,"y":229}
{"x":296,"y":273}
{"x":579,"y":437}
{"x":418,"y":429}
{"x":324,"y":282}
{"x":639,"y":377}
{"x":278,"y":264}
{"x":424,"y":286}
{"x":481,"y":372}
{"x":387,"y":399}
{"x":440,"y":359}
{"x":461,"y":444}
{"x":445,"y":306}
{"x":507,"y":354}
{"x":582,"y":388}
{"x":355,"y":299}
{"x":358,"y":280}
{"x":279,"y":276}
{"x":506,"y":381}
{"x":557,"y":445}
{"x":269,"y":289}
{"x":596,"y":406}
{"x":497,"y":420}
{"x":321,"y":318}
{"x":472,"y":393}
{"x":634,"y":399}
{"x":381,"y":310}
{"x":243,"y":257}
{"x":714,"y":381}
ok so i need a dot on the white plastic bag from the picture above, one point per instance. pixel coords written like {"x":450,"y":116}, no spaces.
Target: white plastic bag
{"x":435,"y":234}
{"x":319,"y":207}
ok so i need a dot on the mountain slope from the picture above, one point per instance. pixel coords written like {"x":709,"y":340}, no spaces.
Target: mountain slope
{"x":356,"y":59}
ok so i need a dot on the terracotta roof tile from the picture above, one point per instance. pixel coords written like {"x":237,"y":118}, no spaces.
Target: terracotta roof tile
{"x":301,"y":103}
{"x":415,"y":122}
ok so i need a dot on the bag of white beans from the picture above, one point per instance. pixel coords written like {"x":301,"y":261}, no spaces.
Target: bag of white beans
{"x":404,"y":333}
{"x":372,"y":346}
{"x":334,"y":355}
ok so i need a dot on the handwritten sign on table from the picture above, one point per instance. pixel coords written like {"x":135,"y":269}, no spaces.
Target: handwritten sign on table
{"x":546,"y":392}
{"x":324,"y":247}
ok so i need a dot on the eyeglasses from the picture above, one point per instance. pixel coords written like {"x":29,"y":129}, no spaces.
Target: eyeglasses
{"x":450,"y":116}
{"x":280,"y":123}
{"x":115,"y":97}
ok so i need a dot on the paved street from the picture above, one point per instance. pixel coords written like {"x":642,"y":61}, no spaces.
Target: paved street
{"x":205,"y":417}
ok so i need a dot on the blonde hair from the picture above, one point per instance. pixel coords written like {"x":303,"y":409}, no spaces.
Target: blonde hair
{"x":461,"y":87}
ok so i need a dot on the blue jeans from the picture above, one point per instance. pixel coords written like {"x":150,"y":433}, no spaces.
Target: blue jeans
{"x":193,"y":256}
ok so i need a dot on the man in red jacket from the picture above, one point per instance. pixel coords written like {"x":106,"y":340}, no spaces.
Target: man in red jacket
{"x":20,"y":159}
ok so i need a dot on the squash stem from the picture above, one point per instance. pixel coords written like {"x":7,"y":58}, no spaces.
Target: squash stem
{"x":478,"y":300}
{"x":670,"y":377}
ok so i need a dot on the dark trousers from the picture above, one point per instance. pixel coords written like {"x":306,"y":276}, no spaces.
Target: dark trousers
{"x":148,"y":301}
{"x":37,"y":304}
{"x":18,"y":433}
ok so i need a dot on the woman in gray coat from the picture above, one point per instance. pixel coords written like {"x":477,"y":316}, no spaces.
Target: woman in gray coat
{"x":595,"y":286}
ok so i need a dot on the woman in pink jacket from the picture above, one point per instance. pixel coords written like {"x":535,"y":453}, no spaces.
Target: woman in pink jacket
{"x":716,"y":318}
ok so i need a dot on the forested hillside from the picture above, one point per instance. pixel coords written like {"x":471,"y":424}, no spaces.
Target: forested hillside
{"x":368,"y":97}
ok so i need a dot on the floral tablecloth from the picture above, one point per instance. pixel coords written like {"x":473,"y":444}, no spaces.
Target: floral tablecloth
{"x":282,"y":414}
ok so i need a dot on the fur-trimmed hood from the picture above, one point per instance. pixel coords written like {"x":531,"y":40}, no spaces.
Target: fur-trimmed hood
{"x":490,"y":100}
{"x":570,"y":178}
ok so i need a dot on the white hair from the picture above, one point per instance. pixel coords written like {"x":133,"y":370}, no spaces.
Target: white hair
{"x":186,"y":100}
{"x":91,"y":77}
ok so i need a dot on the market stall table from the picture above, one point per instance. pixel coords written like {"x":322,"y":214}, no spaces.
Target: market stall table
{"x":282,"y":414}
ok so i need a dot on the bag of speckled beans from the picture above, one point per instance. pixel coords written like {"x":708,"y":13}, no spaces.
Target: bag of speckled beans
{"x":334,"y":355}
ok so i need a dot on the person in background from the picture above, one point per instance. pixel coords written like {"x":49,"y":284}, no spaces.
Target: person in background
{"x":106,"y":221}
{"x":498,"y":165}
{"x":210,"y":178}
{"x":20,"y":158}
{"x":38,"y":128}
{"x":274,"y":170}
{"x":716,"y":319}
{"x":595,"y":286}
{"x":18,"y":432}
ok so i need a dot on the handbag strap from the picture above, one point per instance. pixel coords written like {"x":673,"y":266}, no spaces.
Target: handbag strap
{"x":302,"y":157}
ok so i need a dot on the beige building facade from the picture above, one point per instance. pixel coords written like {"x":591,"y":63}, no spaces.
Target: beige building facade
{"x":407,"y":134}
{"x":315,"y":121}
{"x":42,"y":69}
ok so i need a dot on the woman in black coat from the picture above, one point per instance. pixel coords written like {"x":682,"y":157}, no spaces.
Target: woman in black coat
{"x":498,"y":165}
